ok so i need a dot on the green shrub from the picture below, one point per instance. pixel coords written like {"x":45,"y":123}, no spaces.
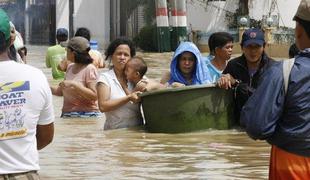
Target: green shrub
{"x":146,"y":39}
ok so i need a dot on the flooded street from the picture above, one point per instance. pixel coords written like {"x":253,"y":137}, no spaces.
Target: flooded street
{"x":82,"y":150}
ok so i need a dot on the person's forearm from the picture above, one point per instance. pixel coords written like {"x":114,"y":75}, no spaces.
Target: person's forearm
{"x":102,"y":64}
{"x":111,"y":105}
{"x":62,"y":66}
{"x":45,"y":135}
{"x":56,"y":91}
{"x":85,"y":92}
{"x":47,"y":62}
{"x":127,"y":91}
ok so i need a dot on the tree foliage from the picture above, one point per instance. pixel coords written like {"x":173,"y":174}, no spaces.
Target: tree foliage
{"x":147,"y":38}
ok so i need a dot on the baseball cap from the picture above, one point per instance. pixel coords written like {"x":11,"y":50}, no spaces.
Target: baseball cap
{"x":78,"y":44}
{"x":5,"y":24}
{"x":253,"y":36}
{"x":303,"y":11}
{"x":62,"y":32}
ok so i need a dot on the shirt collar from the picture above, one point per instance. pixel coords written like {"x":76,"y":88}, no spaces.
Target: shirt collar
{"x":306,"y":51}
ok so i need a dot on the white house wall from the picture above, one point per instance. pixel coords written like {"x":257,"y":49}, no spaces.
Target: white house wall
{"x":209,"y":17}
{"x":285,"y":8}
{"x":92,"y":14}
{"x":62,"y":14}
{"x":95,"y":15}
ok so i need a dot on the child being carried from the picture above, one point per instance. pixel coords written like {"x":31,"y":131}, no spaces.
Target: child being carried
{"x":135,"y":70}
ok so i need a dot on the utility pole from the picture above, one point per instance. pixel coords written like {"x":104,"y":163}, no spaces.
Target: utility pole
{"x":162,"y":29}
{"x":244,"y":7}
{"x":71,"y":18}
{"x":27,"y":23}
{"x":178,"y":22}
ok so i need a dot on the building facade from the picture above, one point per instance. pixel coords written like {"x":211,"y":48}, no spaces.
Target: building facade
{"x":37,"y":20}
{"x":92,"y":14}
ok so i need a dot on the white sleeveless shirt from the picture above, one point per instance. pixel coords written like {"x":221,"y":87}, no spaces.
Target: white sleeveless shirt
{"x":128,"y":115}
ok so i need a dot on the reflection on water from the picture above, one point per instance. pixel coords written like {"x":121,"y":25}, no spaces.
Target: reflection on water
{"x":82,"y":150}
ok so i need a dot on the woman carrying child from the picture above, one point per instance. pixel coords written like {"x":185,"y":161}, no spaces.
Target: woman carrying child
{"x":121,"y":110}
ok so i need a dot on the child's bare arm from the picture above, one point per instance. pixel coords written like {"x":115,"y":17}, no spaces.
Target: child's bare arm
{"x":149,"y":85}
{"x":141,"y":86}
{"x":154,"y":85}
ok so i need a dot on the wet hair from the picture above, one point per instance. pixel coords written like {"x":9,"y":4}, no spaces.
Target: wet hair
{"x":4,"y":44}
{"x":219,"y":40}
{"x":293,"y":51}
{"x":180,"y":55}
{"x":82,"y":58}
{"x":23,"y":51}
{"x":140,"y":65}
{"x":305,"y":24}
{"x":84,"y":32}
{"x":12,"y":53}
{"x":61,"y":37}
{"x":210,"y":44}
{"x":119,"y":41}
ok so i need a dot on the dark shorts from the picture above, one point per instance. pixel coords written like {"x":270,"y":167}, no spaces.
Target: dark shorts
{"x":31,"y":175}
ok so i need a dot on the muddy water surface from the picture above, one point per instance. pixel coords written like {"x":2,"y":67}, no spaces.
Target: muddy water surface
{"x":82,"y":150}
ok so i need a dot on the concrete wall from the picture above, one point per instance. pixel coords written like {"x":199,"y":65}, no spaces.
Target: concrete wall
{"x":285,"y":8}
{"x":92,"y":14}
{"x":209,"y":17}
{"x":62,"y":14}
{"x":273,"y":50}
{"x":95,"y":15}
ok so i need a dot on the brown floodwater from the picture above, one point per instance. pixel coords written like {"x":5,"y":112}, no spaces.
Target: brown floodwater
{"x":81,"y":149}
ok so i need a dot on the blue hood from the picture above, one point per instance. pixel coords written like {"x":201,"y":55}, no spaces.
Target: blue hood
{"x":200,"y":76}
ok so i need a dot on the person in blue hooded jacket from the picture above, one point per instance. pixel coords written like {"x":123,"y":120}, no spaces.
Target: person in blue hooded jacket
{"x":187,"y":67}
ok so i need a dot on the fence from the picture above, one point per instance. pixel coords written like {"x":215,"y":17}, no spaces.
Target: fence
{"x":203,"y":36}
{"x":279,"y":36}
